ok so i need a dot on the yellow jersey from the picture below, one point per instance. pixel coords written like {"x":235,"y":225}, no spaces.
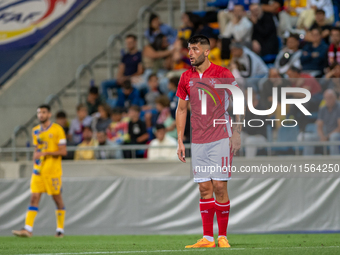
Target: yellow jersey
{"x":48,"y":140}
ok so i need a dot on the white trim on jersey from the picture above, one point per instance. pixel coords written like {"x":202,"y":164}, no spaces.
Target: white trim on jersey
{"x":187,"y":98}
{"x":62,"y":141}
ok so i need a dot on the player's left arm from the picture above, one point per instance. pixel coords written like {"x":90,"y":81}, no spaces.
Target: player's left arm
{"x":62,"y":151}
{"x":235,"y":139}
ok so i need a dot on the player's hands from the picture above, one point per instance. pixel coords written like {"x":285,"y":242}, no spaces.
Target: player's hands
{"x":38,"y":154}
{"x":235,"y":142}
{"x":181,"y":152}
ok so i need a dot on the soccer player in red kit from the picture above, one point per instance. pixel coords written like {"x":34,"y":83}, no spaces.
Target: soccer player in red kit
{"x":209,"y":145}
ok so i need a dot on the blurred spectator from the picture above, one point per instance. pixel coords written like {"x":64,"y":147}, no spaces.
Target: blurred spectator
{"x":118,"y":131}
{"x":130,"y":66}
{"x":253,"y":135}
{"x":289,"y":55}
{"x":153,"y":92}
{"x":93,"y":100}
{"x":82,"y":120}
{"x":239,"y":29}
{"x":61,"y":119}
{"x":164,"y":117}
{"x":264,"y":37}
{"x":180,"y":57}
{"x":248,"y":63}
{"x":172,"y":86}
{"x":162,"y":139}
{"x":113,"y":153}
{"x":307,"y":17}
{"x":328,"y":124}
{"x":274,"y":80}
{"x":226,"y":15}
{"x":334,"y":48}
{"x":332,"y":79}
{"x":306,"y":81}
{"x":101,"y":120}
{"x":137,"y":128}
{"x":314,"y":54}
{"x":156,"y":27}
{"x":189,"y":25}
{"x":156,"y":56}
{"x":88,"y":141}
{"x":127,"y":96}
{"x":320,"y":23}
{"x":215,"y":52}
{"x":273,"y":7}
{"x":290,"y":15}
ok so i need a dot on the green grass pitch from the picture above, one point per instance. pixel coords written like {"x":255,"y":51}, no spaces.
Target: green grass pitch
{"x":171,"y":244}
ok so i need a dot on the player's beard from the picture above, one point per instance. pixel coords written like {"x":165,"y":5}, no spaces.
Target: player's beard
{"x":199,"y":60}
{"x":42,"y":121}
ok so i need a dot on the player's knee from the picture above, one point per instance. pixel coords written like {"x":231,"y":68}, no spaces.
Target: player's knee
{"x":219,"y":188}
{"x":205,"y":191}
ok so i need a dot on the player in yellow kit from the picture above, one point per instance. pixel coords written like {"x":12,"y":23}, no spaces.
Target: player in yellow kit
{"x":50,"y":145}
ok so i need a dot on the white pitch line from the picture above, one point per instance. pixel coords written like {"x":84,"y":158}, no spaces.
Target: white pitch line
{"x":186,"y":250}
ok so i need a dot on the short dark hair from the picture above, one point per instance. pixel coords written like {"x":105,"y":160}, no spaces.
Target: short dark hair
{"x":152,"y":75}
{"x":93,"y":90}
{"x":79,"y":106}
{"x":87,"y":127}
{"x":295,"y":36}
{"x":202,"y":39}
{"x":335,"y":29}
{"x":116,"y":111}
{"x":135,"y":108}
{"x":320,"y":11}
{"x":295,"y":69}
{"x":127,"y":85}
{"x":163,"y":100}
{"x":174,"y":80}
{"x":160,"y":126}
{"x":45,"y":106}
{"x":318,"y":29}
{"x":134,"y":37}
{"x":61,"y":115}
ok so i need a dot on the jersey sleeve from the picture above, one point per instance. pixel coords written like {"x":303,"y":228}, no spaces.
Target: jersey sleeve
{"x":181,"y":89}
{"x":61,"y":137}
{"x":228,"y":74}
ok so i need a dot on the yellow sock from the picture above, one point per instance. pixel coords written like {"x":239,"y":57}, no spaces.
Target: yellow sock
{"x":30,"y":217}
{"x":60,"y":220}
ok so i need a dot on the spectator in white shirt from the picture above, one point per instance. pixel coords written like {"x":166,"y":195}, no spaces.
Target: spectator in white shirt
{"x":239,"y":29}
{"x":248,"y":63}
{"x":307,"y":17}
{"x":162,"y":140}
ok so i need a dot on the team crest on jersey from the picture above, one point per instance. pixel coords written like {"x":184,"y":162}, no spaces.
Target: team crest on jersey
{"x":212,"y":81}
{"x":191,"y":83}
{"x":50,"y":135}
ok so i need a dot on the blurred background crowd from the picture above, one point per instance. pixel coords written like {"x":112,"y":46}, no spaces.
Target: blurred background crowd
{"x":265,"y":44}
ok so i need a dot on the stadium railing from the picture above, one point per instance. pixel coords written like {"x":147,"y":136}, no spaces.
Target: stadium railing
{"x":27,"y":151}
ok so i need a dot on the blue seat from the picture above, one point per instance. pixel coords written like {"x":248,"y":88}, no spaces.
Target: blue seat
{"x":286,"y":134}
{"x":311,"y":128}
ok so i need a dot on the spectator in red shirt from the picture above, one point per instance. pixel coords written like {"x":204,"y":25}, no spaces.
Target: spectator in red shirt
{"x":334,"y":48}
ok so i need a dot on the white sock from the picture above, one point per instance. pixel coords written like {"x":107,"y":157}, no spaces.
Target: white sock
{"x":28,"y":228}
{"x":209,"y":238}
{"x":221,"y":236}
{"x":60,"y":230}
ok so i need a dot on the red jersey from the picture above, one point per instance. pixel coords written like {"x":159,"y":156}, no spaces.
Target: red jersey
{"x":192,"y":86}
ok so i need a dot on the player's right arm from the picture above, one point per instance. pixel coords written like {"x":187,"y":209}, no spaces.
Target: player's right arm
{"x":36,"y":153}
{"x":181,"y":117}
